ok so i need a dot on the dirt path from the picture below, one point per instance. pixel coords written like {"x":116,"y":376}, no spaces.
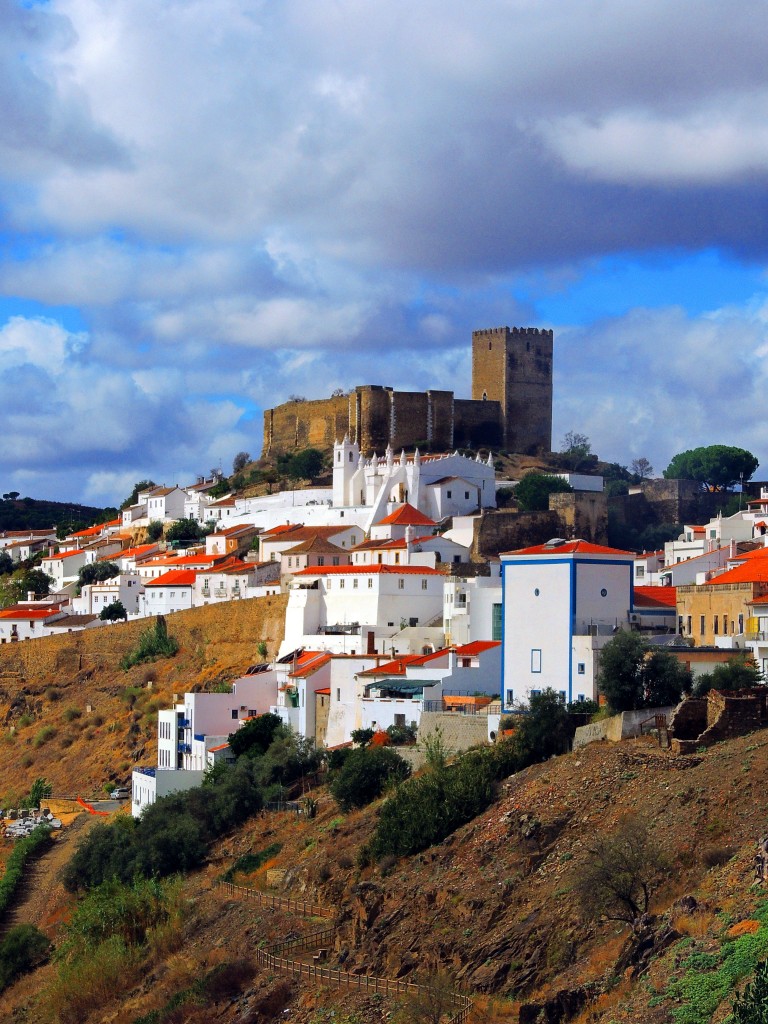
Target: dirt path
{"x":35,"y":896}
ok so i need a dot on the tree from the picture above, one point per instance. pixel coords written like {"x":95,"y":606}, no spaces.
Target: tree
{"x":433,"y":1000}
{"x":621,"y":867}
{"x":184,"y":529}
{"x":240,"y":461}
{"x":114,"y":612}
{"x":6,"y":563}
{"x":96,"y":572}
{"x":641,"y":467}
{"x":738,"y":674}
{"x":305,"y":465}
{"x":365,"y":774}
{"x":576,"y":447}
{"x":533,"y":491}
{"x":751,"y":1007}
{"x":40,"y":790}
{"x":632,"y":675}
{"x":133,"y":497}
{"x":546,"y":729}
{"x":155,"y":530}
{"x":253,"y":738}
{"x":717,"y":466}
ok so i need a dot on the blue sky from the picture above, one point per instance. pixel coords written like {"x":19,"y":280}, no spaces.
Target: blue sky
{"x":207,"y":206}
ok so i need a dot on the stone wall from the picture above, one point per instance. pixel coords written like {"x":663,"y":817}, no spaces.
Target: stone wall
{"x":228,"y":631}
{"x":504,"y":530}
{"x":728,"y":714}
{"x":584,"y":514}
{"x":618,"y":727}
{"x":316,"y":424}
{"x":477,"y":424}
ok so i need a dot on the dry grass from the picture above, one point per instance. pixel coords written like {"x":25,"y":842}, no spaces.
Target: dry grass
{"x":696,"y":925}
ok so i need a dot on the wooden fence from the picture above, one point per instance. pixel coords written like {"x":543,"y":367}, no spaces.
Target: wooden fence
{"x":316,"y":940}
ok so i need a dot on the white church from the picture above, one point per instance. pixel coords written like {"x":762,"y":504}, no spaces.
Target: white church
{"x":437,"y":485}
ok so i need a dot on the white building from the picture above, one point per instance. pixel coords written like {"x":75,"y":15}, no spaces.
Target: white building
{"x":188,"y":732}
{"x":336,"y":607}
{"x":472,"y":607}
{"x":437,"y":485}
{"x":95,"y":597}
{"x":562,"y":602}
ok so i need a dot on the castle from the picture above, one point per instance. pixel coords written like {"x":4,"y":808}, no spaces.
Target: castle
{"x":510,"y":407}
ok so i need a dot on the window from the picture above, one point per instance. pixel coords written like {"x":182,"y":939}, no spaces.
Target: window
{"x":510,"y":696}
{"x":234,"y":713}
{"x":354,"y":583}
{"x":702,"y":627}
{"x":379,"y":559}
{"x":581,"y":668}
{"x":423,"y":584}
{"x":338,"y":693}
{"x":716,"y":626}
{"x":321,"y":560}
{"x":341,"y":584}
{"x":370,"y":583}
{"x":639,"y":571}
{"x":496,"y":622}
{"x":449,"y":494}
{"x":725,"y":625}
{"x":689,"y":630}
{"x":335,"y":560}
{"x":536,"y":659}
{"x":397,"y":558}
{"x":401,"y":584}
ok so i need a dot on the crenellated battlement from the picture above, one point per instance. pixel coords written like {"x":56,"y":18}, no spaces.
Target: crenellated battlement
{"x":510,"y":407}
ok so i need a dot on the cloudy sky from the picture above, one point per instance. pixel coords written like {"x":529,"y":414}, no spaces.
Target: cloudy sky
{"x":208,"y":205}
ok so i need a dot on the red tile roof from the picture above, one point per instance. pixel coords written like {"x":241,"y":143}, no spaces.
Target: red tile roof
{"x":406,"y":515}
{"x":317,"y":662}
{"x":221,"y":746}
{"x":174,"y":578}
{"x":660,"y":597}
{"x":17,"y":612}
{"x":360,"y":570}
{"x":476,"y":647}
{"x":572,"y":547}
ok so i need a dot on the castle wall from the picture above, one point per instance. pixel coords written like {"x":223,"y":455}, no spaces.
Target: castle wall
{"x":583,"y":513}
{"x":477,"y":424}
{"x":511,"y":405}
{"x":315,"y":424}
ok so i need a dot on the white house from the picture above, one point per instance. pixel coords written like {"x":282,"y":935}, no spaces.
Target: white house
{"x":192,"y":729}
{"x":562,"y":602}
{"x":63,"y":567}
{"x":171,"y":592}
{"x":336,"y":607}
{"x":278,"y":541}
{"x":165,"y":504}
{"x":472,"y":607}
{"x":95,"y":597}
{"x":27,"y":620}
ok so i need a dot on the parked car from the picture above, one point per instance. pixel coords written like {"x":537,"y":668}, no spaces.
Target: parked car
{"x":121,"y":793}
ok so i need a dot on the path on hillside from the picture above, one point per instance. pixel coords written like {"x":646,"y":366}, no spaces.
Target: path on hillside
{"x":33,"y":897}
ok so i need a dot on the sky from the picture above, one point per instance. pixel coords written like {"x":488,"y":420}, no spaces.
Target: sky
{"x":209,"y":205}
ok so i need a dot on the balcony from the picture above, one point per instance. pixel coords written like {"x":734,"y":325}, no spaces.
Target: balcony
{"x":184,"y":723}
{"x":184,"y":748}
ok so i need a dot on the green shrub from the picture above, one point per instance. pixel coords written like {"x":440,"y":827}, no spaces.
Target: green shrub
{"x":426,"y":809}
{"x":21,"y":950}
{"x":37,"y":840}
{"x":251,"y":862}
{"x":365,"y":774}
{"x":153,"y":643}
{"x":45,"y":734}
{"x":71,"y":714}
{"x":751,"y":1007}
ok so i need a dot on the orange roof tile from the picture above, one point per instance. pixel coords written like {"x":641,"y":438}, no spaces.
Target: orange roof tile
{"x":648,"y":597}
{"x":174,"y":578}
{"x":17,"y":612}
{"x":359,"y":570}
{"x":406,"y":515}
{"x":755,"y":571}
{"x":572,"y":547}
{"x":476,"y":647}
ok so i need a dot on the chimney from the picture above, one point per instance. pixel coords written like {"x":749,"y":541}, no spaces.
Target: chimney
{"x":732,"y":549}
{"x":30,"y":595}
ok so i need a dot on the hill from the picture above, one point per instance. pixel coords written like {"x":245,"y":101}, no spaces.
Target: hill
{"x":498,"y":906}
{"x":18,"y":513}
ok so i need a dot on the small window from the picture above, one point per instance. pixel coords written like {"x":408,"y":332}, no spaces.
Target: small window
{"x":338,"y":693}
{"x":582,"y":668}
{"x":370,"y":583}
{"x":449,"y":494}
{"x":423,"y":584}
{"x":639,"y":571}
{"x":466,"y":494}
{"x":536,"y":659}
{"x":401,"y":584}
{"x":716,"y":625}
{"x":510,"y":696}
{"x":234,"y":713}
{"x":702,"y":626}
{"x":341,"y":584}
{"x":354,"y":583}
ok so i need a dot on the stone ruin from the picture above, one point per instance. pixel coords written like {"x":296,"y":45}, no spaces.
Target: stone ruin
{"x":720,"y":715}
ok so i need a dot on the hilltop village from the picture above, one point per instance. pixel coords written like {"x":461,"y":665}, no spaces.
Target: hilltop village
{"x":410,"y":595}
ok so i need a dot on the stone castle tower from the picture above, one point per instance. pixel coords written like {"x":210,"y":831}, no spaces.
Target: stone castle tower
{"x":510,"y":407}
{"x":513,"y":366}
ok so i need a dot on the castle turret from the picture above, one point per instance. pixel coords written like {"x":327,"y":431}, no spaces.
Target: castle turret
{"x":346,"y":457}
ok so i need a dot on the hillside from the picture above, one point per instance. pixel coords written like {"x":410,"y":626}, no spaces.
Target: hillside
{"x":46,"y":687}
{"x":18,"y":513}
{"x":495,"y":905}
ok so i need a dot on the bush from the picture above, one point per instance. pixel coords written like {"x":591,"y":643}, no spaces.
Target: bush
{"x":426,"y":809}
{"x":172,"y":835}
{"x":37,"y":840}
{"x":45,"y":734}
{"x":751,"y":1007}
{"x":22,"y":949}
{"x":365,"y":774}
{"x":153,"y":643}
